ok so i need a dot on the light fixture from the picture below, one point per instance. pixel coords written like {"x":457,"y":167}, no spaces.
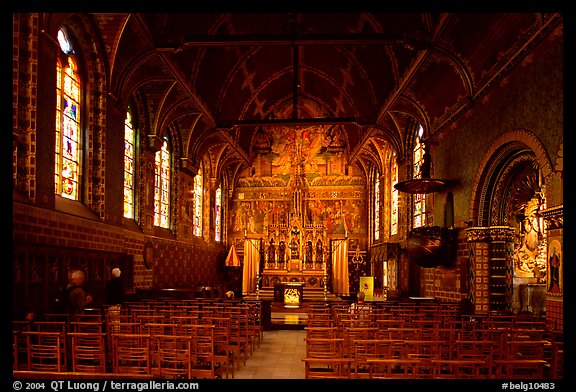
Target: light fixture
{"x":424,"y":184}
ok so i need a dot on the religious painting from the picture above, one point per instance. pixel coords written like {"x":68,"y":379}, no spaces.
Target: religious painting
{"x":299,"y":172}
{"x":554,"y":276}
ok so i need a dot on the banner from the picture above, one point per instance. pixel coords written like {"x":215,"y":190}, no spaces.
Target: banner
{"x":232,"y":260}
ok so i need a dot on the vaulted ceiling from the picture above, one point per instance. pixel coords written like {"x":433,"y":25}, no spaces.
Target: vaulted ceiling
{"x":222,"y":76}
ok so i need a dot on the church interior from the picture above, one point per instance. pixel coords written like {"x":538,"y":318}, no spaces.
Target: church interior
{"x":238,"y":166}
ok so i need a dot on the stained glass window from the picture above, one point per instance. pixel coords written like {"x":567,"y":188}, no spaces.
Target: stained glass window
{"x":129,"y":143}
{"x":68,"y":133}
{"x":162,"y":187}
{"x":419,"y":216}
{"x":394,"y":196}
{"x":218,"y":213}
{"x":377,"y":206}
{"x":198,"y":189}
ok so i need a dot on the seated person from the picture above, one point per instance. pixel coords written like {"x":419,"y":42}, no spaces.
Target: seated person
{"x":360,"y":309}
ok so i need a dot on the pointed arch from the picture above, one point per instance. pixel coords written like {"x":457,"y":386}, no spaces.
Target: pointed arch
{"x":505,"y":157}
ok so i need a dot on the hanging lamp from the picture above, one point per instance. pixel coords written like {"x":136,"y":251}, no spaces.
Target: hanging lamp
{"x":429,"y":246}
{"x":424,"y":184}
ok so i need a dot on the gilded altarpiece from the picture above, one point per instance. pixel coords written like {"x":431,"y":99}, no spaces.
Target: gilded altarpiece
{"x":298,"y":195}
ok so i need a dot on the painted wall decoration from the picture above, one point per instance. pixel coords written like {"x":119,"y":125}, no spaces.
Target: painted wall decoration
{"x":554,"y":277}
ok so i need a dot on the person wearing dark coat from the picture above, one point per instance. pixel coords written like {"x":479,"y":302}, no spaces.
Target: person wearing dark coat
{"x":115,"y":288}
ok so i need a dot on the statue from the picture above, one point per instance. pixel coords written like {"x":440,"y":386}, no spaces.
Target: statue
{"x":294,"y":251}
{"x":271,"y":251}
{"x":281,"y":251}
{"x":319,"y":256}
{"x":308,"y":253}
{"x":527,"y":250}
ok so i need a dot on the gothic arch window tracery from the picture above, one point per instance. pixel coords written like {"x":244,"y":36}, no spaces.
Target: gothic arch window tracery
{"x":198,"y":192}
{"x":419,"y":201}
{"x":162,"y":180}
{"x":129,"y":165}
{"x":68,"y":146}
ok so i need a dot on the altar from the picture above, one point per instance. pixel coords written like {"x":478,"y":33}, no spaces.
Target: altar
{"x":308,"y":278}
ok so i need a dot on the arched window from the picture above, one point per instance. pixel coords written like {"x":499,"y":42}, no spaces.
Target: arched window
{"x":68,"y":145}
{"x":198,"y":190}
{"x":419,"y":216}
{"x":162,"y":171}
{"x":394,"y":195}
{"x":129,"y":171}
{"x":218,"y":214}
{"x":376,"y":205}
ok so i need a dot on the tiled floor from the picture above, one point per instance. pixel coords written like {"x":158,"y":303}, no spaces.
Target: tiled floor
{"x":278,"y":357}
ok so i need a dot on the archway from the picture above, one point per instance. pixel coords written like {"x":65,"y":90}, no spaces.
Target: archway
{"x":506,"y":209}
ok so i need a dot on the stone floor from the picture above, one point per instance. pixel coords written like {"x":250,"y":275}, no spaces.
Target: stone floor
{"x":278,"y":357}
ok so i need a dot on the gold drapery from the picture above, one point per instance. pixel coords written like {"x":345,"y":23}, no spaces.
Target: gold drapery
{"x":340,"y":267}
{"x":251,"y":260}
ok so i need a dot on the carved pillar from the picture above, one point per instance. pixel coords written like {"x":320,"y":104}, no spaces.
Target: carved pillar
{"x":554,"y":218}
{"x":490,"y":251}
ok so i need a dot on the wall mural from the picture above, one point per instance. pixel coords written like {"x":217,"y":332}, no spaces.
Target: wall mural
{"x":308,"y":162}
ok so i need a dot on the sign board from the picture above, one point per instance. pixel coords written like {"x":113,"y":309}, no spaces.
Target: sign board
{"x":367,"y":287}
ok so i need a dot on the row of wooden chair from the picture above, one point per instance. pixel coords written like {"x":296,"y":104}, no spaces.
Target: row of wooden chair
{"x":431,"y":341}
{"x":89,"y":346}
{"x":374,"y":358}
{"x":164,"y":356}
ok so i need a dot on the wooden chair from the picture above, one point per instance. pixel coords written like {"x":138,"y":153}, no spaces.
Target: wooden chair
{"x":521,"y":368}
{"x":324,"y":347}
{"x":223,"y":354}
{"x":88,"y":351}
{"x":380,"y":368}
{"x":485,"y":351}
{"x":174,"y":356}
{"x":357,"y":333}
{"x":131,"y":354}
{"x":458,"y":368}
{"x":364,"y":349}
{"x":65,"y":317}
{"x":124,"y":327}
{"x":320,"y":319}
{"x":332,"y":368}
{"x":525,"y":349}
{"x":422,"y":348}
{"x":320,"y":332}
{"x":255,"y":322}
{"x":239,"y":337}
{"x":203,"y":362}
{"x":61,"y":327}
{"x":86,"y":326}
{"x":45,"y":351}
{"x":19,"y":349}
{"x":94,"y":317}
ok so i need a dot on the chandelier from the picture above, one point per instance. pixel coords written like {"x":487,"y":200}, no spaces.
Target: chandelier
{"x":424,"y":184}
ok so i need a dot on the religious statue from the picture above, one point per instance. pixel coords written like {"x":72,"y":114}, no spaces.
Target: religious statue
{"x":319,"y":256}
{"x":294,"y":251}
{"x":554,"y":285}
{"x":271,"y":251}
{"x":281,"y":251}
{"x":308,"y":252}
{"x":527,"y":251}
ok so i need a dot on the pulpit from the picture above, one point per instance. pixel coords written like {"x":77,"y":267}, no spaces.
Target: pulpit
{"x":293,"y":294}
